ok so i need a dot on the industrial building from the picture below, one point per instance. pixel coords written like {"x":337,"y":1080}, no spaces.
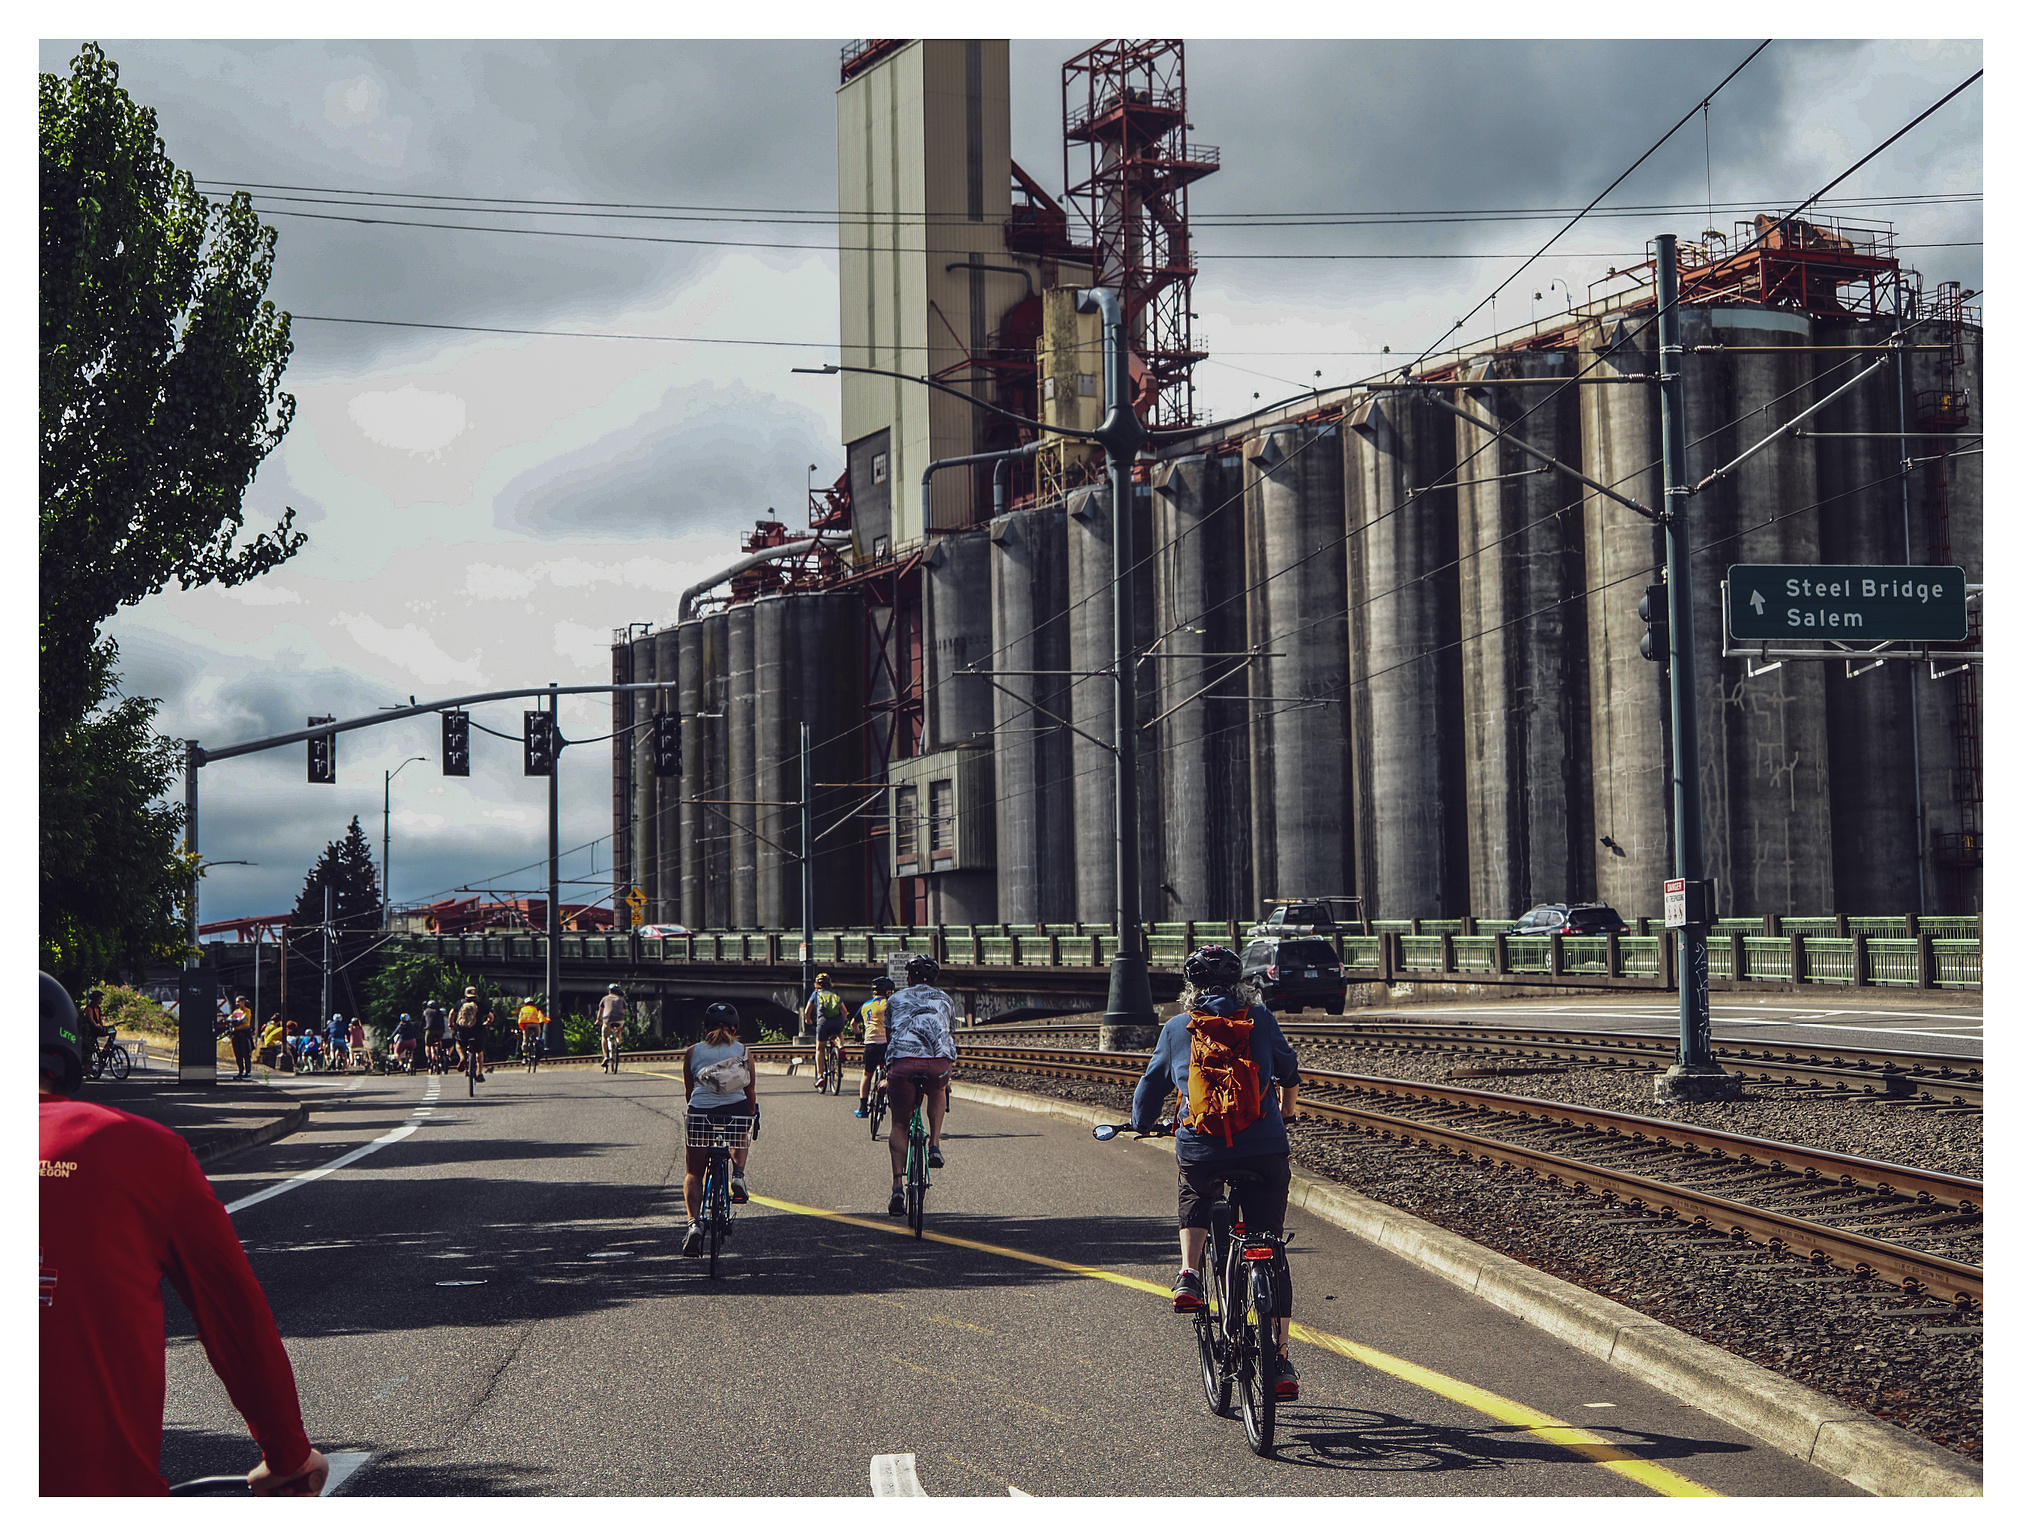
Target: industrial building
{"x":1386,"y":652}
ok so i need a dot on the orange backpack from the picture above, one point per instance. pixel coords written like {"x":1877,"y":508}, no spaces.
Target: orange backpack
{"x":1223,"y":1094}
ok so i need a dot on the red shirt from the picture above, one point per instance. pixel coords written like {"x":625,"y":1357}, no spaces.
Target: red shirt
{"x":123,"y":1206}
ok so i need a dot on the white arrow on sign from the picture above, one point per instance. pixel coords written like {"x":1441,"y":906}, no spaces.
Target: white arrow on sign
{"x":1755,"y":602}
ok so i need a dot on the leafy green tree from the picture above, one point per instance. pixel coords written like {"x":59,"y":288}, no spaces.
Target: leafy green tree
{"x":405,"y":983}
{"x":160,"y":367}
{"x":346,"y":868}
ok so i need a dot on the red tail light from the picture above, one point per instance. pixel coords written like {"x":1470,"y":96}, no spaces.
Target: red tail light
{"x":1271,"y":971}
{"x":1569,"y":928}
{"x":1259,"y":1253}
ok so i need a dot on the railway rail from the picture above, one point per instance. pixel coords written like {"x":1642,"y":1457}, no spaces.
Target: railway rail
{"x":1726,"y":1188}
{"x":1931,"y":1079}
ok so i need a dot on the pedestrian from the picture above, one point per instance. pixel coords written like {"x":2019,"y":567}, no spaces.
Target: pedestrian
{"x":242,"y":1037}
{"x":123,"y":1208}
{"x":272,"y":1039}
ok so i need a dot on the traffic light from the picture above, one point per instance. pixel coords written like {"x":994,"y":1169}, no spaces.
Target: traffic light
{"x":540,"y":744}
{"x":1655,"y":612}
{"x":455,"y":744}
{"x":323,"y":753}
{"x":667,"y":746}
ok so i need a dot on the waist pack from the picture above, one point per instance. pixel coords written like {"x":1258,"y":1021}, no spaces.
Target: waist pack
{"x":1224,"y":1097}
{"x":731,"y":1075}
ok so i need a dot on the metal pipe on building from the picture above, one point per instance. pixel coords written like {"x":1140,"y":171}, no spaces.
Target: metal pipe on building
{"x":998,"y":457}
{"x":686,"y":610}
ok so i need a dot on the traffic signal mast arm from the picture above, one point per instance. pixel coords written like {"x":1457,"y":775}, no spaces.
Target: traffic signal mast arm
{"x":380,"y":717}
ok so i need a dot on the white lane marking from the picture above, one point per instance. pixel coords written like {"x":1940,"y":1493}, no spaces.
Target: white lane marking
{"x":894,"y":1477}
{"x":1019,"y":1493}
{"x":462,"y":1282}
{"x":342,"y":1465}
{"x":397,"y":1134}
{"x":387,"y":1391}
{"x":1862,"y":1029}
{"x":615,"y":1253}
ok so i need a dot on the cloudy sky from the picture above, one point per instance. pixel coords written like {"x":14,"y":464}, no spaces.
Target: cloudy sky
{"x":484,"y":506}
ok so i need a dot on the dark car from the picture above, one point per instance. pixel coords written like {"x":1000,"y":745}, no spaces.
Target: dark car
{"x":1573,"y":919}
{"x":1295,"y":974}
{"x":1330,"y":914}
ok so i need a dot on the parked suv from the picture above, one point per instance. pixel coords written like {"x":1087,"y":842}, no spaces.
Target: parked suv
{"x":1574,"y":919}
{"x":1295,"y":974}
{"x":1331,"y":914}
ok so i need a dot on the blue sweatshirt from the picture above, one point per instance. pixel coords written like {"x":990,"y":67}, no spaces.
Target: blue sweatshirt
{"x":1167,"y":1070}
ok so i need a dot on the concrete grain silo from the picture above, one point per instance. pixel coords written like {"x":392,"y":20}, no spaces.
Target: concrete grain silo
{"x":1404,"y":658}
{"x":1198,"y":576}
{"x":1629,"y":709}
{"x":1302,"y":835}
{"x":1523,"y":653}
{"x":1765,"y":783}
{"x":775,"y":774}
{"x":665,"y":895}
{"x":645,"y":805}
{"x":693,"y":663}
{"x":1035,"y":819}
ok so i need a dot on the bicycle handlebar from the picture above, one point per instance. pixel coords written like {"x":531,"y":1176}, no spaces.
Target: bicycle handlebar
{"x":1111,"y":1132}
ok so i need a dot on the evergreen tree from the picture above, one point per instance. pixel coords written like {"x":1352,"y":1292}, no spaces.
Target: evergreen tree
{"x":346,"y":867}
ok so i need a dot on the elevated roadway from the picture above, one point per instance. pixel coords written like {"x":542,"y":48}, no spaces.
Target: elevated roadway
{"x":491,"y":1300}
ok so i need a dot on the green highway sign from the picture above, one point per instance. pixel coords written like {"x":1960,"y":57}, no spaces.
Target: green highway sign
{"x":1854,"y":604}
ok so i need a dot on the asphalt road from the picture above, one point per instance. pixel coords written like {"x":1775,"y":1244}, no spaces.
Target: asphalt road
{"x":494,"y":1302}
{"x":1950,"y":1023}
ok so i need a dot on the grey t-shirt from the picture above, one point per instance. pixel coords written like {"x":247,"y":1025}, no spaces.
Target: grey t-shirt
{"x":701,"y":1057}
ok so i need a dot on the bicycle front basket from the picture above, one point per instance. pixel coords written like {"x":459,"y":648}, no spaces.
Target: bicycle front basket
{"x":732,"y":1132}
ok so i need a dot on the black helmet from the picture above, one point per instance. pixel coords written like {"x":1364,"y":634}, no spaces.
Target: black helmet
{"x":1213,"y":965}
{"x":882,"y":986}
{"x":62,"y":1056}
{"x":719,"y":1016}
{"x":922,"y":968}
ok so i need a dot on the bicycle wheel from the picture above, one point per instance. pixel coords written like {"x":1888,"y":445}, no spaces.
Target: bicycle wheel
{"x":878,"y":1107}
{"x":1260,"y":1352}
{"x":470,"y":1073}
{"x":1208,"y":1335}
{"x":118,"y":1063}
{"x":916,"y":1173}
{"x":718,"y":1207}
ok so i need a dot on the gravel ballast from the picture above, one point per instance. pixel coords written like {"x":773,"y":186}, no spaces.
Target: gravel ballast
{"x":1908,"y":1361}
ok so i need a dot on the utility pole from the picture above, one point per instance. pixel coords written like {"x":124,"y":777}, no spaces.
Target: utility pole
{"x":1129,"y":1023}
{"x":806,"y":871}
{"x":1696,"y":1076}
{"x":329,"y":908}
{"x":386,"y":844}
{"x":554,"y":945}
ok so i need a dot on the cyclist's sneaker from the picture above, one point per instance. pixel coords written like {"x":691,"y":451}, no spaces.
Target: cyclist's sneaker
{"x":934,"y":1158}
{"x":480,"y":1077}
{"x":861,"y":1113}
{"x":692,"y":1243}
{"x":1288,"y":1380}
{"x":1187,"y":1295}
{"x":896,"y":1206}
{"x":739,"y":1191}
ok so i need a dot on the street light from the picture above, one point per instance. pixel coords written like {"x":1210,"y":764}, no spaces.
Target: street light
{"x":385,"y":837}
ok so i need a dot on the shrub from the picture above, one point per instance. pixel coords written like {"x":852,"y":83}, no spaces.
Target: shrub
{"x":136,"y":1014}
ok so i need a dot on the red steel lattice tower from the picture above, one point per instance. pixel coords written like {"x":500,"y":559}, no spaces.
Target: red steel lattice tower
{"x":1124,"y":106}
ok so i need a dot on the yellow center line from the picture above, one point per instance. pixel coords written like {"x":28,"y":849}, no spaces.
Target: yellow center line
{"x":1615,"y":1458}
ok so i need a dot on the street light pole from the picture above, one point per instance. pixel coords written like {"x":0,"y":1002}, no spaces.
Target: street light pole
{"x":1129,"y":1023}
{"x":385,"y":843}
{"x":806,"y":871}
{"x":554,"y":946}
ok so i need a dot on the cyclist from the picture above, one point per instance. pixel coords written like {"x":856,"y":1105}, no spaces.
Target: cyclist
{"x":124,"y":1207}
{"x":717,"y":1076}
{"x":470,"y":1029}
{"x":1225,"y":1053}
{"x":919,"y":1039}
{"x":434,"y":1032}
{"x":824,"y":1015}
{"x":94,"y":1017}
{"x":361,"y":1046}
{"x":611,"y":1018}
{"x":871,"y":1027}
{"x":403,"y":1042}
{"x":531,"y":1021}
{"x":338,"y":1036}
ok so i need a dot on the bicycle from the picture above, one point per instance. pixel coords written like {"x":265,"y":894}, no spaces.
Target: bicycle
{"x":530,"y":1048}
{"x":828,"y":1076}
{"x":611,"y":1054}
{"x":879,"y":1105}
{"x":720,"y":1138}
{"x":470,"y":1068}
{"x":109,"y":1057}
{"x":1235,"y":1334}
{"x":919,"y":1178}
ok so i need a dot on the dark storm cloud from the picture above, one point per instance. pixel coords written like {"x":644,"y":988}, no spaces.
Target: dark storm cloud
{"x":708,"y":461}
{"x":719,"y":123}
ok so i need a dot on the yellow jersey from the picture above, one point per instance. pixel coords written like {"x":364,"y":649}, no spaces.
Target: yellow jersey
{"x":872,"y":1018}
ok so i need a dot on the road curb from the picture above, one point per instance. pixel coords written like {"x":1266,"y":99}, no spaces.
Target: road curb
{"x":216,"y":1148}
{"x":1875,"y":1456}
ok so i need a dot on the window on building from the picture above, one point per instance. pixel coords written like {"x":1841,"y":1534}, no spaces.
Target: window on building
{"x":878,"y":463}
{"x":941,"y":818}
{"x":906,"y":831}
{"x":1084,"y":384}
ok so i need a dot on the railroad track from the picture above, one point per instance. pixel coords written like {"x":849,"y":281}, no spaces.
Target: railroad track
{"x":1922,"y":1079}
{"x":1800,"y":1205}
